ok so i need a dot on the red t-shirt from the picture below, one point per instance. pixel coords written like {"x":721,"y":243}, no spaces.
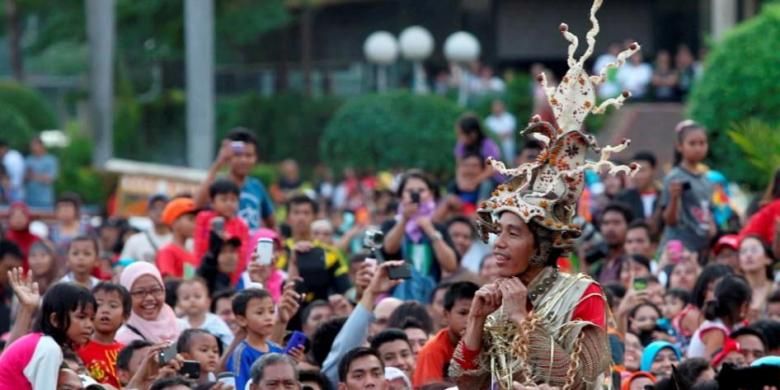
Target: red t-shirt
{"x":234,"y":227}
{"x":433,"y":358}
{"x":175,"y":261}
{"x":100,"y":361}
{"x":762,"y":223}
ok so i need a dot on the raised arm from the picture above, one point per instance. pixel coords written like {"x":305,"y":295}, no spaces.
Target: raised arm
{"x":29,"y":296}
{"x":224,"y":156}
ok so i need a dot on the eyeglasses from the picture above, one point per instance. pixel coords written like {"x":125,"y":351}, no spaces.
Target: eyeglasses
{"x":140,"y":294}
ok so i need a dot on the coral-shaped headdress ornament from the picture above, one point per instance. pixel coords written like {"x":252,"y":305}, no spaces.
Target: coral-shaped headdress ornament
{"x":546,"y":191}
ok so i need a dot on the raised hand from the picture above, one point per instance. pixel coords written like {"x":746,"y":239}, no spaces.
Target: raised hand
{"x":514,"y":295}
{"x":289,"y":303}
{"x":381,"y":282}
{"x":25,"y":289}
{"x":486,"y":301}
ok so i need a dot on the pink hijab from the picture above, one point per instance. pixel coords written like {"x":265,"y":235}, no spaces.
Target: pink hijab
{"x":164,"y":328}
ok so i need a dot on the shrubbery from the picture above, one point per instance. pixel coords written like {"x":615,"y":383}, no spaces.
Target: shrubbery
{"x":740,"y":83}
{"x":392,"y":130}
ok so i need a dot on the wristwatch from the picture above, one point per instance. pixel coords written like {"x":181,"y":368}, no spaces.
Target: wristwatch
{"x":436,"y":236}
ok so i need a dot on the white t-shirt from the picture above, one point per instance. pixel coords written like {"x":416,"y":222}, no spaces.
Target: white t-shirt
{"x":501,"y":125}
{"x":635,"y":78}
{"x":14,"y":168}
{"x":214,"y":325}
{"x":648,"y":201}
{"x":68,"y":278}
{"x":143,"y":246}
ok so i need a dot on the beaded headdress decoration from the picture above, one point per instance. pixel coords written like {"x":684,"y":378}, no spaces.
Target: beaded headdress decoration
{"x":546,"y":191}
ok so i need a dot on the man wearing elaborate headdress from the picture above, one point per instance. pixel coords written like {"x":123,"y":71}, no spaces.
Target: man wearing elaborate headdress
{"x":536,"y":325}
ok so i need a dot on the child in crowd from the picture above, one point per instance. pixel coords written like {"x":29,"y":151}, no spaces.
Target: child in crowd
{"x":676,"y":302}
{"x":173,"y":259}
{"x":82,"y":259}
{"x":222,"y":306}
{"x":194,"y":302}
{"x":99,"y":355}
{"x":685,"y":200}
{"x":43,"y":265}
{"x":436,"y":354}
{"x":254,"y":312}
{"x":642,"y":321}
{"x":222,"y":219}
{"x":271,"y":277}
{"x":203,"y":347}
{"x":129,"y":359}
{"x":33,"y":361}
{"x":729,"y":308}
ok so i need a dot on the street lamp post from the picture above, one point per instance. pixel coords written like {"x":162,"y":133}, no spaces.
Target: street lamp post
{"x":462,"y":48}
{"x":381,"y":48}
{"x":417,"y":45}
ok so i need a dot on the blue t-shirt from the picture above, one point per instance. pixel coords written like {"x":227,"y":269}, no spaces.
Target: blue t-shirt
{"x":246,"y":356}
{"x":254,"y":205}
{"x":40,"y":194}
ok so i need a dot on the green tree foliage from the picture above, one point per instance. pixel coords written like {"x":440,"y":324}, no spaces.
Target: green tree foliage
{"x":760,"y":143}
{"x":29,"y":104}
{"x":76,"y":173}
{"x":740,"y":83}
{"x":393,"y":130}
{"x":16,"y":131}
{"x":286,"y":125}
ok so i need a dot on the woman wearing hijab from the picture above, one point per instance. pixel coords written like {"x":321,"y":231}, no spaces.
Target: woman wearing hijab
{"x":19,"y":229}
{"x":659,"y":357}
{"x":150,"y":319}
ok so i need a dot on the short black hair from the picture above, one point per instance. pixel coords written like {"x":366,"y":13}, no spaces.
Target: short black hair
{"x":241,"y":300}
{"x":355,"y":354}
{"x":183,"y":344}
{"x":464,"y":220}
{"x":323,"y":338}
{"x":306,"y":312}
{"x":642,"y":260}
{"x":223,"y":186}
{"x":689,"y":370}
{"x":9,"y":250}
{"x":387,"y":336}
{"x":458,"y":291}
{"x":412,"y":323}
{"x":126,"y":354}
{"x":730,"y":294}
{"x":750,"y":330}
{"x":771,"y":331}
{"x":299,"y":199}
{"x":124,"y":295}
{"x":69,"y":197}
{"x":411,"y":309}
{"x":162,"y":384}
{"x":222,"y":294}
{"x":618,"y":208}
{"x":314,"y":376}
{"x":709,"y":273}
{"x":244,"y":135}
{"x":640,"y":224}
{"x":84,"y":237}
{"x":645,"y":155}
{"x":473,"y":154}
{"x":530,"y":144}
{"x":681,"y":294}
{"x":61,"y":300}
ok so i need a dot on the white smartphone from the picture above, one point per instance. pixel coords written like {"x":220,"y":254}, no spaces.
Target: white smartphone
{"x":265,"y":251}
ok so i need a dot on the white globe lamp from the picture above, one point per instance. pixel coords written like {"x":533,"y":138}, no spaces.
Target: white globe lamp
{"x":462,"y":48}
{"x":381,"y":48}
{"x":416,"y":46}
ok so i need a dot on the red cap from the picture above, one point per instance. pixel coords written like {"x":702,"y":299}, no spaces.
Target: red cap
{"x":727,"y":241}
{"x":176,"y":208}
{"x":729,"y":345}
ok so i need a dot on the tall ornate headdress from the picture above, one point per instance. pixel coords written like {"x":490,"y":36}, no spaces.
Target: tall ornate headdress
{"x":546,"y":191}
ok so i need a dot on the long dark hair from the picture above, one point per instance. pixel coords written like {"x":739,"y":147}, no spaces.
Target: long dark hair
{"x":683,"y":129}
{"x":730,"y":294}
{"x":61,"y":300}
{"x":709,"y":274}
{"x":469,"y":124}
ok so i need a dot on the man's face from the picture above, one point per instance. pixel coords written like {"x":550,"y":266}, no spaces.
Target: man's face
{"x":643,"y":178}
{"x":398,"y":354}
{"x":243,"y":160}
{"x":300,"y":218}
{"x":278,"y":376}
{"x":751,"y":347}
{"x":225,"y":205}
{"x":132,"y":366}
{"x":514,"y":245}
{"x":365,"y":373}
{"x":527,"y":155}
{"x":638,"y":242}
{"x":437,"y":307}
{"x":729,"y":257}
{"x":155,"y":211}
{"x":417,"y":339}
{"x":317,"y":316}
{"x":613,"y":228}
{"x":469,"y":167}
{"x":458,"y":317}
{"x":224,"y":309}
{"x":461,"y":237}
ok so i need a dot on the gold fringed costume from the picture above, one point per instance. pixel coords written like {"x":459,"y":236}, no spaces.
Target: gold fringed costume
{"x":549,"y":346}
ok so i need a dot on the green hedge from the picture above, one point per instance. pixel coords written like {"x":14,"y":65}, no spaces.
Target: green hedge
{"x":286,"y":125}
{"x":16,"y":130}
{"x":740,"y":82}
{"x":76,"y":173}
{"x":393,"y":130}
{"x":29,"y":103}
